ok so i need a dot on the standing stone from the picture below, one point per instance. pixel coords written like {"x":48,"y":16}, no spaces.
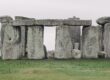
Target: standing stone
{"x":10,"y":40}
{"x":23,"y":40}
{"x":23,"y":35}
{"x":63,"y":47}
{"x":101,"y":38}
{"x":90,"y":42}
{"x":0,"y":45}
{"x":75,"y":34}
{"x":35,"y":48}
{"x":107,"y":40}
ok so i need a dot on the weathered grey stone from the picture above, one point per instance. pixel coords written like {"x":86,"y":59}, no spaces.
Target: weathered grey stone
{"x":23,"y":18}
{"x":76,"y":45}
{"x":102,"y":54}
{"x":35,"y":46}
{"x":6,"y":19}
{"x":9,"y":39}
{"x":10,"y":47}
{"x":51,"y":22}
{"x":74,"y":18}
{"x":90,"y":42}
{"x":101,"y":38}
{"x":50,"y":54}
{"x":22,"y":40}
{"x":0,"y":43}
{"x":75,"y":34}
{"x":103,"y":20}
{"x":63,"y":46}
{"x":107,"y":39}
{"x":76,"y":53}
{"x":23,"y":34}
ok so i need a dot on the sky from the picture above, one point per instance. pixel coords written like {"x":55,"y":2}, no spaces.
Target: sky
{"x":55,"y":9}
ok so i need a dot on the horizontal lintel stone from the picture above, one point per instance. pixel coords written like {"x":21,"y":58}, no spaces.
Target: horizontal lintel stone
{"x":5,"y":19}
{"x":52,"y":22}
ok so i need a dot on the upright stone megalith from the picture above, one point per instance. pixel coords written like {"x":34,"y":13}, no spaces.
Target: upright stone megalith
{"x":90,"y":42}
{"x":75,"y":32}
{"x":9,"y":39}
{"x":63,"y":46}
{"x":107,"y":40}
{"x":23,"y":35}
{"x":35,"y":48}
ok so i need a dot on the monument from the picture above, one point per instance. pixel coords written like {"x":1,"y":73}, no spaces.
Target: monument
{"x":23,"y":37}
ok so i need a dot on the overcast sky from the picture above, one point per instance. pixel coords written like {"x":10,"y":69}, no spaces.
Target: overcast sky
{"x":41,"y":9}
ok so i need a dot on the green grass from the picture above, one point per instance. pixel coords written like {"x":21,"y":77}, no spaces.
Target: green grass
{"x":55,"y":69}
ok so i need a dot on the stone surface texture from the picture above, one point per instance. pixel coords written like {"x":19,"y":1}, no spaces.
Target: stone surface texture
{"x":63,"y":46}
{"x":35,"y":47}
{"x":50,"y":54}
{"x":90,"y":42}
{"x":51,"y":22}
{"x":10,"y":47}
{"x":103,"y":20}
{"x":75,"y":34}
{"x":76,"y":54}
{"x":107,"y":39}
{"x":23,"y":37}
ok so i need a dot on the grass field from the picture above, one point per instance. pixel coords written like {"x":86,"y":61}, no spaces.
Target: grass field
{"x":55,"y":69}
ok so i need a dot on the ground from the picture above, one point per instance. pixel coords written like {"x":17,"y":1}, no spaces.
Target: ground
{"x":85,"y":69}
